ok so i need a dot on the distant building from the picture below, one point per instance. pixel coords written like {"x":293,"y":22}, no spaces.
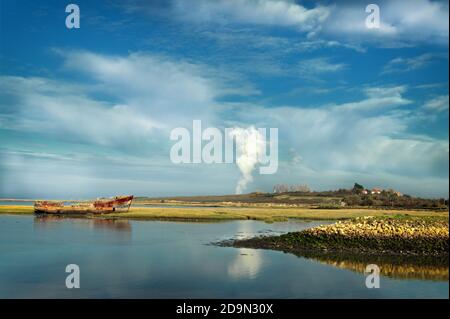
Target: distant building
{"x":394,"y":192}
{"x":376,"y":191}
{"x":364,"y":192}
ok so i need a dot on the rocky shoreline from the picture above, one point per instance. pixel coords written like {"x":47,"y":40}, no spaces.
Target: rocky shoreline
{"x":366,"y":235}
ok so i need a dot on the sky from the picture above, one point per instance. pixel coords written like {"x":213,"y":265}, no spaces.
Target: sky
{"x":87,"y":112}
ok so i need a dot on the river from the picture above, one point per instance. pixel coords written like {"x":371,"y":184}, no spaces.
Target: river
{"x":156,"y":259}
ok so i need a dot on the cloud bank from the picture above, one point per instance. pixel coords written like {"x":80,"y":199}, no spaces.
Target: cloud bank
{"x":148,"y":95}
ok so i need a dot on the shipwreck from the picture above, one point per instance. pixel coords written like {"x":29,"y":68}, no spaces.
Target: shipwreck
{"x":99,"y":206}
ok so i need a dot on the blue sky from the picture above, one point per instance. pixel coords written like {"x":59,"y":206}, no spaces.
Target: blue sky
{"x":87,"y":112}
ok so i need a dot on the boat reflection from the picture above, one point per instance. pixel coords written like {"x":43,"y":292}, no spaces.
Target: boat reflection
{"x":108,"y":224}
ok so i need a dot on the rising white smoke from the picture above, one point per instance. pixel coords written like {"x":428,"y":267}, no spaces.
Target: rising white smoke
{"x":250,"y":143}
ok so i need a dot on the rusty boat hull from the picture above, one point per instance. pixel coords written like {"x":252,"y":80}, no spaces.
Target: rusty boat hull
{"x":99,"y":206}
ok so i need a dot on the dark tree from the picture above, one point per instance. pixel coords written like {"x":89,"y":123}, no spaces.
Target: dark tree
{"x":358,"y":188}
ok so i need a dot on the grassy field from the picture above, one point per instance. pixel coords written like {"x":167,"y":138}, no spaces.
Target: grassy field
{"x":231,"y":213}
{"x":16,"y":209}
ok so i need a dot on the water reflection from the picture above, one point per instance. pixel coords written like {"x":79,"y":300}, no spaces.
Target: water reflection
{"x":46,"y":222}
{"x":247,"y":262}
{"x":157,"y":259}
{"x":397,"y":267}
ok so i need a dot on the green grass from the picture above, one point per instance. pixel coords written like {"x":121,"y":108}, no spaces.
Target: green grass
{"x":16,"y":209}
{"x":233,"y":213}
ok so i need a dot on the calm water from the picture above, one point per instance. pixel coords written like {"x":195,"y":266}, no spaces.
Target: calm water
{"x":151,"y":259}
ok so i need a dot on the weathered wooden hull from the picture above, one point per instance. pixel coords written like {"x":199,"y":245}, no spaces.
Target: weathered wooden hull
{"x":101,"y":206}
{"x":70,"y":211}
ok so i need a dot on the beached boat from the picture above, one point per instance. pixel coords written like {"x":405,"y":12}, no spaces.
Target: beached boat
{"x":99,"y":206}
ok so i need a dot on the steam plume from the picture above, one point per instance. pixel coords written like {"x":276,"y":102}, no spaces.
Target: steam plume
{"x":250,"y":143}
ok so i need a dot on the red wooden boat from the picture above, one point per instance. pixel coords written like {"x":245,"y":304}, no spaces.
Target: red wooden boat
{"x":99,"y":206}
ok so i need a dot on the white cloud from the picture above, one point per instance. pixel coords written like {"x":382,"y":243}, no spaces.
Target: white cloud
{"x":402,"y":22}
{"x":259,"y":12}
{"x":438,"y":104}
{"x":147,"y":95}
{"x":410,"y":64}
{"x":392,"y":91}
{"x":378,"y":99}
{"x":369,"y":137}
{"x":163,"y":89}
{"x":338,"y":23}
{"x":127,"y":107}
{"x":317,"y":66}
{"x":42,"y":105}
{"x":142,"y":96}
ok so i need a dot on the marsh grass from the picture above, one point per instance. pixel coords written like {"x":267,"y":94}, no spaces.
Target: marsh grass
{"x":16,"y":209}
{"x":242,"y":213}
